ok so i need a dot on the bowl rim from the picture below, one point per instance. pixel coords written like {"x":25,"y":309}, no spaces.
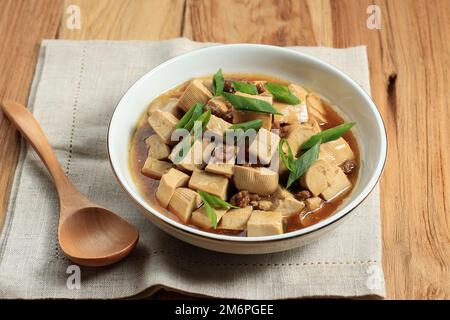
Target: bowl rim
{"x":334,"y":218}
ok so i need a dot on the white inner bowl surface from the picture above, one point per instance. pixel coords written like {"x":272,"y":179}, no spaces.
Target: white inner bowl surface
{"x":335,"y":86}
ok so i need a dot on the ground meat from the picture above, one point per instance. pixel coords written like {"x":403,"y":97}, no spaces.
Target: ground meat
{"x":348,"y":166}
{"x":225,"y":115}
{"x":240,"y":199}
{"x":243,"y":199}
{"x":303,"y":195}
{"x":228,"y":87}
{"x":260,"y":88}
{"x":215,"y":110}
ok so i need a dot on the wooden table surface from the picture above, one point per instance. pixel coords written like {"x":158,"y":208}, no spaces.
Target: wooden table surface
{"x":410,"y":75}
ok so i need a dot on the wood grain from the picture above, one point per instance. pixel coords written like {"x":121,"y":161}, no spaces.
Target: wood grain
{"x":273,"y":22}
{"x":22,"y":26}
{"x":408,"y":58}
{"x":416,"y":184}
{"x":125,"y":19}
{"x":409,"y":63}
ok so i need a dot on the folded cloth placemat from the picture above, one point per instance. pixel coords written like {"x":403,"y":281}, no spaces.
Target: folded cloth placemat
{"x":76,"y":86}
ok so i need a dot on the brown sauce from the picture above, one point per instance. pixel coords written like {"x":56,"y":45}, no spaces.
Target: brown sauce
{"x":148,"y":186}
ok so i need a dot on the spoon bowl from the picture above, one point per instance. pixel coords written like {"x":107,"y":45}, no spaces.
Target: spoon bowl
{"x":88,"y":234}
{"x":93,"y":236}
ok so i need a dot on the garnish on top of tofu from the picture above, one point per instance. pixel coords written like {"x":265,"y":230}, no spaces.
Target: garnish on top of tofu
{"x":245,"y":155}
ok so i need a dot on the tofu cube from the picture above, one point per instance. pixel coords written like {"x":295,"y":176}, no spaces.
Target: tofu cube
{"x":163,"y":123}
{"x":195,"y":157}
{"x":316,"y":108}
{"x":325,"y":155}
{"x":223,"y":169}
{"x":223,"y":153}
{"x":235,"y":219}
{"x":169,"y":105}
{"x":183,"y":202}
{"x":298,"y":91}
{"x":297,"y":135}
{"x":290,"y":114}
{"x":208,"y":84}
{"x":222,"y":162}
{"x":196,"y":92}
{"x":170,"y":181}
{"x":218,"y":125}
{"x":313,"y":102}
{"x":314,"y":203}
{"x":157,"y":149}
{"x":244,"y":116}
{"x":266,"y":98}
{"x":259,"y":180}
{"x":289,"y":206}
{"x":209,"y":182}
{"x":319,"y":176}
{"x":339,"y":150}
{"x":200,"y":217}
{"x":264,"y":223}
{"x":337,"y":185}
{"x":282,"y":193}
{"x":155,"y":169}
{"x":264,"y":146}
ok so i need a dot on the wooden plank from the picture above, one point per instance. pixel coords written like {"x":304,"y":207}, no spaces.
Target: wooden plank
{"x":23,"y":23}
{"x":408,"y":58}
{"x":271,"y":22}
{"x":416,"y":221}
{"x":383,"y":73}
{"x":322,"y":22}
{"x":124,"y":20}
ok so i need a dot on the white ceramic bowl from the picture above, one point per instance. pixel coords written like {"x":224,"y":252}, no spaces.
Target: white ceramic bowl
{"x":283,"y":63}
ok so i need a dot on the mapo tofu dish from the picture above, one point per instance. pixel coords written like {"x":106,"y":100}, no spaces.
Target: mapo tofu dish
{"x":246,"y":155}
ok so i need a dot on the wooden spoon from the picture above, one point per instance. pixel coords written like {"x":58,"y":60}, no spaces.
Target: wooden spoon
{"x":88,"y":234}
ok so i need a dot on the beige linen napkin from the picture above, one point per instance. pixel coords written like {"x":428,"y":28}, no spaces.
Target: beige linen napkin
{"x":76,"y":87}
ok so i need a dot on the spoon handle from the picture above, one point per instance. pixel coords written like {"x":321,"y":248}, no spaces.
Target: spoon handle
{"x":27,"y":124}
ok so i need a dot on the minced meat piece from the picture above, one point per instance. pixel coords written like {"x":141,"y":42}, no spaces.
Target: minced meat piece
{"x":243,"y":198}
{"x":303,"y":195}
{"x":348,"y":166}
